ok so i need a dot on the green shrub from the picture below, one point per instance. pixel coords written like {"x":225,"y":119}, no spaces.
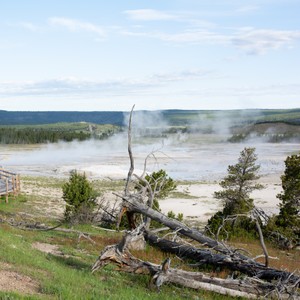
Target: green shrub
{"x":80,"y":198}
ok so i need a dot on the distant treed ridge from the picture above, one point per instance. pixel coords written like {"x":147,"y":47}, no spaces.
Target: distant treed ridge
{"x":50,"y":117}
{"x":53,"y":133}
{"x":37,"y":136}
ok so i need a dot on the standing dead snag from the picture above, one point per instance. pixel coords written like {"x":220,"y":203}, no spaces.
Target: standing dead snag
{"x":131,"y":169}
{"x":123,"y":210}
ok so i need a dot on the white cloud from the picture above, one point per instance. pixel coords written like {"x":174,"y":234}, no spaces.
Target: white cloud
{"x":148,"y":15}
{"x":29,"y":26}
{"x":259,"y":41}
{"x":247,"y":9}
{"x":76,"y":25}
{"x":76,"y":86}
{"x":193,"y":36}
{"x":274,"y":91}
{"x":248,"y":39}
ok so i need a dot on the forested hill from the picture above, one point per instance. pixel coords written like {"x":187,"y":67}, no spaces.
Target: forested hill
{"x":171,"y":117}
{"x":49,"y":117}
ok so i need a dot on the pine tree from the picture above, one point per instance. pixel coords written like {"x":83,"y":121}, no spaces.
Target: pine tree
{"x":237,"y":187}
{"x":79,"y":196}
{"x":289,"y":215}
{"x":239,"y":183}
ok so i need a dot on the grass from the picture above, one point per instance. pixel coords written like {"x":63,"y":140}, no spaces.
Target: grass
{"x":69,"y":276}
{"x":182,"y":195}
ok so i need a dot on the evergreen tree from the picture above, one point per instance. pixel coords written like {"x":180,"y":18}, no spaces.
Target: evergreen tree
{"x":237,"y":187}
{"x":80,"y":198}
{"x":239,"y":183}
{"x":289,"y":215}
{"x":161,"y":184}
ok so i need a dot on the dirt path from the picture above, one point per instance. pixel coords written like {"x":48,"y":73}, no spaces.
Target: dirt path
{"x":11,"y":281}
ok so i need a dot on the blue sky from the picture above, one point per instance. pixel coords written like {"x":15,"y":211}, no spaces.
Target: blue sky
{"x":160,"y":54}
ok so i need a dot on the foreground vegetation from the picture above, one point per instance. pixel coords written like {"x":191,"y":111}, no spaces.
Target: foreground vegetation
{"x":66,"y":274}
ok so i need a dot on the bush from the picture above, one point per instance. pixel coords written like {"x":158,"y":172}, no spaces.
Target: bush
{"x":80,"y":198}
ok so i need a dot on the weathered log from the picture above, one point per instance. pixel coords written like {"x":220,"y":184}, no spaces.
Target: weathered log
{"x":119,"y":255}
{"x":205,"y":256}
{"x":232,"y":258}
{"x":134,"y":204}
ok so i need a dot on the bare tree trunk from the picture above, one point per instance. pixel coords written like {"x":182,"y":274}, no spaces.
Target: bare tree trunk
{"x":205,"y":256}
{"x":232,"y":258}
{"x":131,"y":169}
{"x":262,"y":242}
{"x":119,"y":255}
{"x":138,"y":207}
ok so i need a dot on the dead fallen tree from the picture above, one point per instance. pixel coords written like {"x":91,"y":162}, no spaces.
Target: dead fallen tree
{"x":232,"y":258}
{"x":207,"y":257}
{"x":251,"y":288}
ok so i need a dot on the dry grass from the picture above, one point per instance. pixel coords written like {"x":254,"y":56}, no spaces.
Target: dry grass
{"x":284,"y":260}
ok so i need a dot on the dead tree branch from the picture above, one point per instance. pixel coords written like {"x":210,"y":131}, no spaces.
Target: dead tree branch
{"x":207,"y":257}
{"x":120,"y":256}
{"x":131,"y":169}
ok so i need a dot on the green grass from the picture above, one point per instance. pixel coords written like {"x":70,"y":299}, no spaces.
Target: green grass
{"x":69,"y":276}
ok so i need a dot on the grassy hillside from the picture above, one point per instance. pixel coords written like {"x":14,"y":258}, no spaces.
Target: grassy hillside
{"x":274,"y":132}
{"x":57,"y":265}
{"x":186,"y":117}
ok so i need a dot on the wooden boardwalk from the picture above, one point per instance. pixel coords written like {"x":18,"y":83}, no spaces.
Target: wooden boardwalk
{"x":9,"y":183}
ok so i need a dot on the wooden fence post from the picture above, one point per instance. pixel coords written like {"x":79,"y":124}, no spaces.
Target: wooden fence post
{"x":6,"y":199}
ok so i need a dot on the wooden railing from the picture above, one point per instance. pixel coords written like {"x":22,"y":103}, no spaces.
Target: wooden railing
{"x":9,"y":183}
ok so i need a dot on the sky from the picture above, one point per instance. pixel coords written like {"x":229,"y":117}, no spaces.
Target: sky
{"x":99,"y":55}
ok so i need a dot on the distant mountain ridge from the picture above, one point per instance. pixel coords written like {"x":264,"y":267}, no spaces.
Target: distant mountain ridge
{"x":49,"y":117}
{"x":174,"y":117}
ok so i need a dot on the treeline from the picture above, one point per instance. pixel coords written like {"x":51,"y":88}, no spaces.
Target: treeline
{"x":268,"y":138}
{"x":38,"y":136}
